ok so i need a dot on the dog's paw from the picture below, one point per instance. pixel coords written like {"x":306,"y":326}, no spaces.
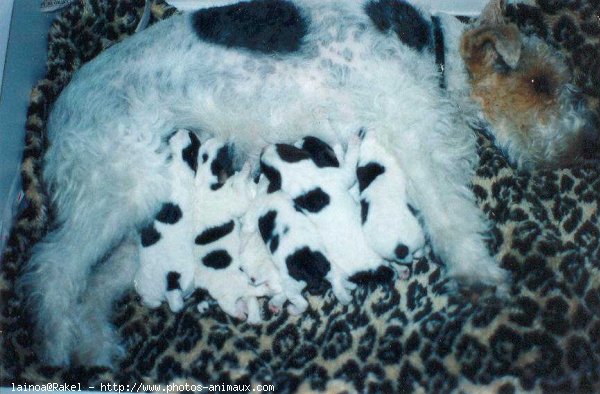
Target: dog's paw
{"x":53,"y":356}
{"x":97,"y":343}
{"x":483,"y":271}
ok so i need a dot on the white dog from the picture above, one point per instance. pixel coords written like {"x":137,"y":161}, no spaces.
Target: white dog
{"x":218,"y":206}
{"x":166,"y":259}
{"x":326,"y":68}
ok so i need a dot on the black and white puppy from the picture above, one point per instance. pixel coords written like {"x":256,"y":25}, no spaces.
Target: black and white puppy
{"x":167,"y":265}
{"x":389,"y":222}
{"x":219,"y":204}
{"x":298,"y":254}
{"x":318,"y":180}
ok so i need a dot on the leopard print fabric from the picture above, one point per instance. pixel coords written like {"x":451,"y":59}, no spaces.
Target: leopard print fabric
{"x":423,"y":334}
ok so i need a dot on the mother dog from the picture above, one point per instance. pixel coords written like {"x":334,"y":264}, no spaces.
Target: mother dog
{"x":268,"y":71}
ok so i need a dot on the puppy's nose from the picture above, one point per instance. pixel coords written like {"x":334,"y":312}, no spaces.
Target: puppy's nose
{"x":401,"y":251}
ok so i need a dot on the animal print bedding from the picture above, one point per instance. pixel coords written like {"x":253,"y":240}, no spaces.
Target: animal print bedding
{"x":420,"y":334}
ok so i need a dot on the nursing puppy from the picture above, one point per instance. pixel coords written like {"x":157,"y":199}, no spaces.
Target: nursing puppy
{"x":389,"y":224}
{"x":219,"y":204}
{"x":326,"y":68}
{"x":296,"y":248}
{"x":321,"y":190}
{"x":166,"y":259}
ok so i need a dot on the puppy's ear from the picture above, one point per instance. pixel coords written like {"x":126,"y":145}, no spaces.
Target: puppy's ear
{"x":490,"y":48}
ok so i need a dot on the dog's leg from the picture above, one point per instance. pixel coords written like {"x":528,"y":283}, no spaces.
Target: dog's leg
{"x":57,"y":277}
{"x":96,"y":207}
{"x":104,"y":288}
{"x":455,"y":225}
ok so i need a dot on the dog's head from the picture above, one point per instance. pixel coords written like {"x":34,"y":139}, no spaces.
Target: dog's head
{"x":215,"y":163}
{"x":523,"y":86}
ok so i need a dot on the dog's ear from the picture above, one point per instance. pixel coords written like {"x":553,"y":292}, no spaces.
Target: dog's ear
{"x":492,"y":44}
{"x":493,"y":13}
{"x":491,"y":48}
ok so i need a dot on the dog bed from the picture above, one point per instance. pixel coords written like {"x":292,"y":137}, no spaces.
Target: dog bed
{"x":423,"y":334}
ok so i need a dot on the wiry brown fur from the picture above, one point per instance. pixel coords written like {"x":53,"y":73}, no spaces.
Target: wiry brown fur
{"x":522,"y":85}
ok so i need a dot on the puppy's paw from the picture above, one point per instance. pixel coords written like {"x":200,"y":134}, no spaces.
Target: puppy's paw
{"x":296,"y":309}
{"x":275,"y":309}
{"x":203,"y":307}
{"x":343,"y":296}
{"x":403,"y":272}
{"x":175,"y":301}
{"x":254,"y":312}
{"x":346,"y":284}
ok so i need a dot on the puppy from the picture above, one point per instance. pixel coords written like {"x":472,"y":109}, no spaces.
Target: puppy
{"x":166,"y":260}
{"x":306,"y":67}
{"x":297,"y":251}
{"x":218,"y":206}
{"x":321,"y":192}
{"x":389,"y":225}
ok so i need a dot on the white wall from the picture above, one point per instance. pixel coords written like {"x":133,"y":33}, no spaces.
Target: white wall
{"x":6,"y":7}
{"x":24,"y":66}
{"x":455,"y":7}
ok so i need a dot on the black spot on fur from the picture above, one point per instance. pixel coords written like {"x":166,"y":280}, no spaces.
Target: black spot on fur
{"x":266,"y":225}
{"x":268,"y":26}
{"x":401,"y":18}
{"x":213,"y":234}
{"x":313,"y":201}
{"x":204,"y":158}
{"x":320,"y":152}
{"x":149,"y":236}
{"x":309,"y":266}
{"x":367,"y":174}
{"x":273,"y":176}
{"x":381,"y":276}
{"x":218,"y":259}
{"x":413,"y":210}
{"x":222,"y":166}
{"x":274,"y":243}
{"x":189,"y":154}
{"x":364,"y":210}
{"x":291,"y":154}
{"x":173,"y":280}
{"x":401,"y":251}
{"x":169,"y":213}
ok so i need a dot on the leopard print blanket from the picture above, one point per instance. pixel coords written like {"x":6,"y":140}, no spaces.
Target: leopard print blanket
{"x":417,"y":335}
